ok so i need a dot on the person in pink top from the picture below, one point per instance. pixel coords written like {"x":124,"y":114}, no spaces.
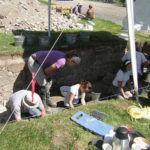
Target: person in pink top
{"x":54,"y":61}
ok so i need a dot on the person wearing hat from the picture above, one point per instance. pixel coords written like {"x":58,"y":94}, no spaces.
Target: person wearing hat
{"x":55,"y":60}
{"x":121,"y":83}
{"x":75,"y":92}
{"x":21,"y":102}
{"x":77,"y":10}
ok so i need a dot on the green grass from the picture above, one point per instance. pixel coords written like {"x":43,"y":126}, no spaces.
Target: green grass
{"x":7,"y":43}
{"x":58,"y":132}
{"x":45,"y":2}
{"x":104,"y":31}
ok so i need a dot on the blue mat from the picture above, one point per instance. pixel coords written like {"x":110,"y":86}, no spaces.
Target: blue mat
{"x":92,"y":124}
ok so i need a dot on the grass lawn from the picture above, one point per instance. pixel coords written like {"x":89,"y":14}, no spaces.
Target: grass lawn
{"x":45,"y":2}
{"x":58,"y":132}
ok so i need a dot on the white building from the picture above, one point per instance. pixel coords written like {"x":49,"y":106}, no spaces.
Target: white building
{"x":141,"y":16}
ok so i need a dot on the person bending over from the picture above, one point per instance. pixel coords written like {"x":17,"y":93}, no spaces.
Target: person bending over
{"x":54,"y":61}
{"x":21,"y":103}
{"x":76,"y":92}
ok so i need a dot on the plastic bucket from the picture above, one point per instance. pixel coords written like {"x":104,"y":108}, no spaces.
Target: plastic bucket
{"x":95,"y":96}
{"x":44,"y":41}
{"x":71,"y":38}
{"x":30,"y":39}
{"x":146,"y":76}
{"x":19,"y":40}
{"x":84,"y":36}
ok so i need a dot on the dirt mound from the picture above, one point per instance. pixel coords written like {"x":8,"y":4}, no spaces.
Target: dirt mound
{"x":22,"y":14}
{"x":31,"y":15}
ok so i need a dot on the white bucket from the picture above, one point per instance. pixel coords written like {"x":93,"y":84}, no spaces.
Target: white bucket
{"x":95,"y":96}
{"x":19,"y":40}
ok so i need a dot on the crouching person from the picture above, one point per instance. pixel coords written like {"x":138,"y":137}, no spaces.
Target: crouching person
{"x":76,"y":92}
{"x":121,"y":84}
{"x":21,"y":103}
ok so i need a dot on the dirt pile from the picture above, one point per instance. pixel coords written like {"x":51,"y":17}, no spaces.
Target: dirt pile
{"x":31,"y":15}
{"x":22,"y":14}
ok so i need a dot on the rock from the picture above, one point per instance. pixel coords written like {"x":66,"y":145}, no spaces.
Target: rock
{"x":15,"y":68}
{"x":10,"y":74}
{"x":31,"y":16}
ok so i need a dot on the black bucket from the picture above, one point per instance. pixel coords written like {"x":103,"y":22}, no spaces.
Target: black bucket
{"x":30,"y":39}
{"x":44,"y":41}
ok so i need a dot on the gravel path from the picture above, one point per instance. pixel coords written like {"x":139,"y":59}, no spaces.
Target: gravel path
{"x":102,"y":10}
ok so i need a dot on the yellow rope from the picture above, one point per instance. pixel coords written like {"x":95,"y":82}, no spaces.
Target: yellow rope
{"x":139,"y":112}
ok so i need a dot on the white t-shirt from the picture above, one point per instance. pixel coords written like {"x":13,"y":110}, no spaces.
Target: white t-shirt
{"x":121,"y":76}
{"x":74,"y":90}
{"x":140,"y":59}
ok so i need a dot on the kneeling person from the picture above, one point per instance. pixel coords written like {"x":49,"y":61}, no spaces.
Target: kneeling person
{"x":21,"y":102}
{"x":74,"y":93}
{"x":121,"y":80}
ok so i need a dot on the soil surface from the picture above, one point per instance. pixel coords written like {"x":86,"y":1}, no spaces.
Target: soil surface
{"x":122,"y":105}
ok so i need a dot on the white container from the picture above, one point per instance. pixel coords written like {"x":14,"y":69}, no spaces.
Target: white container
{"x":19,"y":40}
{"x":95,"y":96}
{"x":106,"y":146}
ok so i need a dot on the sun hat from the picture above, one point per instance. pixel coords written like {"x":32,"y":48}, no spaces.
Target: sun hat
{"x":76,"y":60}
{"x":27,"y":100}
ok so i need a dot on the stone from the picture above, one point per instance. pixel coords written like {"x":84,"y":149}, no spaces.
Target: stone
{"x":33,"y":22}
{"x":10,"y":74}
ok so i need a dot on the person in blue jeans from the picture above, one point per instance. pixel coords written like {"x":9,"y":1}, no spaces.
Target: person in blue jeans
{"x":21,"y":103}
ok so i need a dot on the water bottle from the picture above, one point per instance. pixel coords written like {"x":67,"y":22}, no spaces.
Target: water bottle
{"x":120,"y":140}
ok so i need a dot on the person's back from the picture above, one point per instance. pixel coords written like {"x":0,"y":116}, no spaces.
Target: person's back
{"x":15,"y":99}
{"x":90,"y":12}
{"x":140,"y":60}
{"x":75,"y":9}
{"x":55,"y":57}
{"x":21,"y":102}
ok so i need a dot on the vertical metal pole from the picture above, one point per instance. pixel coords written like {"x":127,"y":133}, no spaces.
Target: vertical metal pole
{"x":49,"y":17}
{"x":130,"y":13}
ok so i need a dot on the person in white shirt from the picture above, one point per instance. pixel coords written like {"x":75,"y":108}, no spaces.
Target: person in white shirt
{"x":76,"y":92}
{"x":140,"y":60}
{"x":122,"y":79}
